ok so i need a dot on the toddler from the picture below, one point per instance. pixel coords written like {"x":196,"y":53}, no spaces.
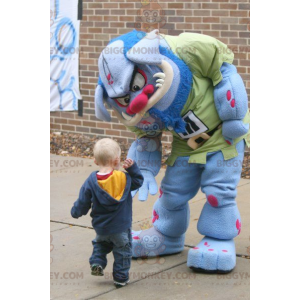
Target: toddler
{"x":108,"y":193}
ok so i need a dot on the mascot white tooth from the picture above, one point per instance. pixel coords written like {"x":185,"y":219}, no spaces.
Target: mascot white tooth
{"x":185,"y":84}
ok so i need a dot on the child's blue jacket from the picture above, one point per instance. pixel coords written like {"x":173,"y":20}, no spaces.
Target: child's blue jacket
{"x":109,"y":215}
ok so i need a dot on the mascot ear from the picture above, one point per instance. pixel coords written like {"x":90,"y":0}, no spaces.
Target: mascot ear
{"x":100,"y":110}
{"x":146,"y":51}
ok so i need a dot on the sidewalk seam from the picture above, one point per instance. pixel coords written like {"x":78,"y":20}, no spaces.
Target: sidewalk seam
{"x":72,"y":224}
{"x":59,"y":229}
{"x":88,"y":227}
{"x":93,"y":297}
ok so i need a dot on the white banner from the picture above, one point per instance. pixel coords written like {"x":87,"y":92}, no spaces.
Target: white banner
{"x":64,"y":54}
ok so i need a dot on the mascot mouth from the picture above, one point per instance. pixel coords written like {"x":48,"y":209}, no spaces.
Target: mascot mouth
{"x":163,"y":85}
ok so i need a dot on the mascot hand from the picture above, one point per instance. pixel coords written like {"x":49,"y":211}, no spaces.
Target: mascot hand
{"x":230,"y":95}
{"x":233,"y":129}
{"x":148,"y":185}
{"x":231,"y":102}
{"x":147,"y":154}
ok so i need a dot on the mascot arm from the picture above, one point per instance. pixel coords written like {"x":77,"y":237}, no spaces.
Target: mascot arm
{"x":209,"y":58}
{"x":146,"y":152}
{"x":231,"y":102}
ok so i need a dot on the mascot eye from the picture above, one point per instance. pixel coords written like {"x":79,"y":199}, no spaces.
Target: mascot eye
{"x":138,"y":81}
{"x":123,"y":102}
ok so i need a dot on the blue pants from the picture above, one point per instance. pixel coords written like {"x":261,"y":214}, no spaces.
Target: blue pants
{"x":121,"y":246}
{"x":218,"y":179}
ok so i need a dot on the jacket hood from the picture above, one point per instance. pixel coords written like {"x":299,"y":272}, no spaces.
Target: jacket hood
{"x":105,"y":199}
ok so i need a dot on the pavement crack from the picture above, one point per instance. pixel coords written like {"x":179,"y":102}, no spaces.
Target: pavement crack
{"x":243,"y":256}
{"x":89,"y":227}
{"x":143,"y":278}
{"x":246,"y":183}
{"x":59,"y":229}
{"x":71,"y":224}
{"x":146,"y":219}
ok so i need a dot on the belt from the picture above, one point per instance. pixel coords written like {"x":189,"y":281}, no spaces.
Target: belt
{"x":198,"y":140}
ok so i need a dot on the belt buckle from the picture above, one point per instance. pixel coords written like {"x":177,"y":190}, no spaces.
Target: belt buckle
{"x":192,"y":141}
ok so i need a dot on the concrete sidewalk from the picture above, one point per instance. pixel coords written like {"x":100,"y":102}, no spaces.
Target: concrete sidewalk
{"x":167,"y":277}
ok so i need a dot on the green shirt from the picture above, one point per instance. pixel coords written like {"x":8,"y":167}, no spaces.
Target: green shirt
{"x":204,"y":56}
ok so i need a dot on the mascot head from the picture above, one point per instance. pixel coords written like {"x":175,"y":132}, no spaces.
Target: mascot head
{"x":139,"y":76}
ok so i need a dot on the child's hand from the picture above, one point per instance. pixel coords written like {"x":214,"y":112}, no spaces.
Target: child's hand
{"x":128,"y":163}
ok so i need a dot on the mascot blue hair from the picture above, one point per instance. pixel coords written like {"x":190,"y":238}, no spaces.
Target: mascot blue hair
{"x":187,"y":85}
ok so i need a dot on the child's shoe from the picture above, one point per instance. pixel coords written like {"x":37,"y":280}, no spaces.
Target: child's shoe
{"x":121,"y":284}
{"x":96,"y":270}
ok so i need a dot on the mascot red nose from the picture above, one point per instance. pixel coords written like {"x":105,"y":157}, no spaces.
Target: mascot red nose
{"x":140,"y":101}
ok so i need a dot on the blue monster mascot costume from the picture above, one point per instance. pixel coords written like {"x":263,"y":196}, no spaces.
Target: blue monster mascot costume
{"x":185,"y":84}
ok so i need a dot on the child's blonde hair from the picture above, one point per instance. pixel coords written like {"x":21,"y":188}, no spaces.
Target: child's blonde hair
{"x":106,"y":151}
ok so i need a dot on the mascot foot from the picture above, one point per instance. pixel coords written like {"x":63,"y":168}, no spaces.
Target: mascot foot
{"x":212,"y":256}
{"x":151,"y":243}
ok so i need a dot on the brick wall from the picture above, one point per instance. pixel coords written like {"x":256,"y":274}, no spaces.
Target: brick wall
{"x":226,"y":20}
